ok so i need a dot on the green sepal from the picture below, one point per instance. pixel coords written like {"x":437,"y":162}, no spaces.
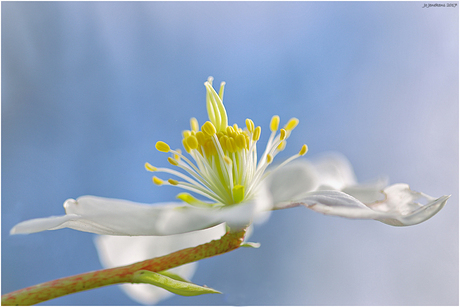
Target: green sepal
{"x":173,"y":283}
{"x":250,"y":244}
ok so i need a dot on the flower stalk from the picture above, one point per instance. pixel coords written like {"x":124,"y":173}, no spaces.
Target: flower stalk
{"x":86,"y":281}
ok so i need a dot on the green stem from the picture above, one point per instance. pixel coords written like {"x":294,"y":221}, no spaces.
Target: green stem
{"x":67,"y":285}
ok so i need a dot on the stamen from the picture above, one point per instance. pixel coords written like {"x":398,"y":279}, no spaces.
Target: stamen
{"x":186,"y":147}
{"x":303,"y":150}
{"x":228,"y":160}
{"x":200,"y":137}
{"x":282,"y":134}
{"x":189,"y":199}
{"x":274,"y":123}
{"x":292,"y":123}
{"x":250,"y":125}
{"x":240,"y":141}
{"x":150,"y":167}
{"x":192,"y":142}
{"x":281,"y":146}
{"x":157,"y":180}
{"x":186,"y":133}
{"x":256,"y":135}
{"x":194,"y":124}
{"x":162,"y":146}
{"x":269,"y":159}
{"x":208,"y":128}
{"x":173,"y":182}
{"x":173,"y":161}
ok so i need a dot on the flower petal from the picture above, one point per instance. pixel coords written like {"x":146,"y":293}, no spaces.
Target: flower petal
{"x":338,"y":203}
{"x":122,"y":250}
{"x":291,"y":182}
{"x":402,"y":203}
{"x":397,"y":209}
{"x":120,"y":217}
{"x":331,"y":171}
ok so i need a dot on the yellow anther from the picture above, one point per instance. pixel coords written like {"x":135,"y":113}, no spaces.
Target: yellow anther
{"x":230,"y":131}
{"x":292,"y":123}
{"x":194,"y":124}
{"x":192,"y":142}
{"x":269,"y":159}
{"x":235,"y":127}
{"x":227,"y":160}
{"x":256,"y":135}
{"x":157,"y":180}
{"x":274,"y":123}
{"x":172,"y":161}
{"x":150,"y":167}
{"x":186,"y":133}
{"x":223,"y":142}
{"x":173,"y":182}
{"x":209,"y":148}
{"x":162,"y":146}
{"x":238,"y":193}
{"x":282,"y":134}
{"x":189,"y":199}
{"x":250,"y":125}
{"x":208,"y":128}
{"x":186,"y":147}
{"x":240,"y":141}
{"x":200,"y":137}
{"x":281,"y":146}
{"x":231,"y":145}
{"x":303,"y":150}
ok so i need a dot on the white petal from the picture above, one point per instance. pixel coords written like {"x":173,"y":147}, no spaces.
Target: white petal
{"x":122,"y":250}
{"x":398,"y":208}
{"x":120,"y":217}
{"x":291,"y":182}
{"x":334,"y":171}
{"x":331,"y":171}
{"x":338,"y":203}
{"x":369,"y":192}
{"x":401,"y":202}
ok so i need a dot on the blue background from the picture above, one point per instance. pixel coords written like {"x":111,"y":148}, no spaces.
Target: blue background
{"x":88,"y":88}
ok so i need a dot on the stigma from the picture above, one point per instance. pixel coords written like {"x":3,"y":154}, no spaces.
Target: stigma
{"x":224,"y":165}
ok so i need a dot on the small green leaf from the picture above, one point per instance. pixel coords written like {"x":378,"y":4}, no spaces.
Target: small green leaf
{"x":250,"y":244}
{"x":174,"y":283}
{"x":173,"y":276}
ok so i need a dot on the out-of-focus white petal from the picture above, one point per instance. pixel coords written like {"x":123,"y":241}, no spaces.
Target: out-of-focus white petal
{"x":120,"y":217}
{"x":122,"y":250}
{"x":367,"y":192}
{"x":331,"y":171}
{"x":290,"y":182}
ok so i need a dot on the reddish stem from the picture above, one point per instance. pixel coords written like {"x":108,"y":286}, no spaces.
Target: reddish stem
{"x":67,"y":285}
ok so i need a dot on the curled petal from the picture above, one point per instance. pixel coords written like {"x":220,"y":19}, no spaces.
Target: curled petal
{"x":398,"y":208}
{"x":123,"y":250}
{"x":108,"y":216}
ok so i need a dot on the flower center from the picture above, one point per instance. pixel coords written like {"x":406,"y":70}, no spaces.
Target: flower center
{"x":226,"y":168}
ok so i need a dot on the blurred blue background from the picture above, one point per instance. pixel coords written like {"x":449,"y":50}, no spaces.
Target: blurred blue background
{"x":89,"y":87}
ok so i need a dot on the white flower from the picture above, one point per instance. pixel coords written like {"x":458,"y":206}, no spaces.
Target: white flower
{"x":226,"y":170}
